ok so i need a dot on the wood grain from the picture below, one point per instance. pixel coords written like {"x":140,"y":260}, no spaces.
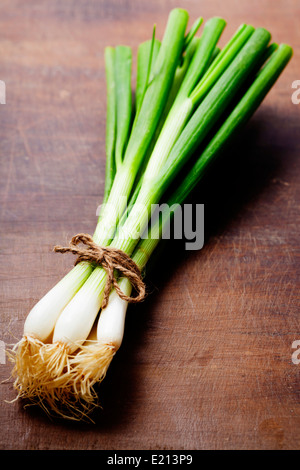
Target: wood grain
{"x":206,"y":360}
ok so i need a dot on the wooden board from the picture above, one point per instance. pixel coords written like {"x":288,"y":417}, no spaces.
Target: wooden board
{"x":206,"y":361}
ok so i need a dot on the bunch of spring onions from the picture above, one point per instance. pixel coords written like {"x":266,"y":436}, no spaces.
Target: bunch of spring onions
{"x":188,"y":92}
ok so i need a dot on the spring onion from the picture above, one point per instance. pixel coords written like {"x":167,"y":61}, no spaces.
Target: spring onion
{"x":41,"y":320}
{"x":185,"y":91}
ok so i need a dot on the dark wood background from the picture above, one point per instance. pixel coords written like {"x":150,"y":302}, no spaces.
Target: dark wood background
{"x":206,"y":361}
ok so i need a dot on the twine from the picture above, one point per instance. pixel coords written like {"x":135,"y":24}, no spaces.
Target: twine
{"x":111,"y":259}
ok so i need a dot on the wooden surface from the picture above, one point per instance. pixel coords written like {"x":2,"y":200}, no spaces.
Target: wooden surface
{"x":206,"y":360}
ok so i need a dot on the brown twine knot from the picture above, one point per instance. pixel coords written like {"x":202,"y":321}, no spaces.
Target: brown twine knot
{"x":110,"y":259}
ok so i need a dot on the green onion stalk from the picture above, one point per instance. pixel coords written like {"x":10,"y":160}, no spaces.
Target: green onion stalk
{"x":186,"y":87}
